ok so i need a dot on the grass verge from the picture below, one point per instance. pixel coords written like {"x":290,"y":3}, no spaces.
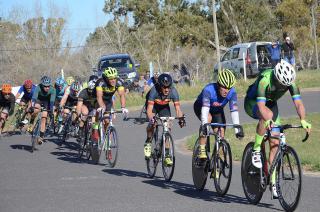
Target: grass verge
{"x":308,"y":151}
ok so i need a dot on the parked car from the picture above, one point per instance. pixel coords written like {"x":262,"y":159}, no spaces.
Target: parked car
{"x":124,"y":63}
{"x":233,"y":59}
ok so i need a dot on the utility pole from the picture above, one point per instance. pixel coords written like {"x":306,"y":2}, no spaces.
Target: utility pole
{"x":216,"y":36}
{"x":314,"y":26}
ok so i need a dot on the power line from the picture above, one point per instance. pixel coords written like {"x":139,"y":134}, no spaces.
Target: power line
{"x":52,"y":48}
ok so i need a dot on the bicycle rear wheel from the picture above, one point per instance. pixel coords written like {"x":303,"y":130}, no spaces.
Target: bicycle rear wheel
{"x":289,"y":180}
{"x":112,"y":146}
{"x":250,"y":177}
{"x":35,"y":135}
{"x":199,"y":168}
{"x":168,"y":152}
{"x":222,"y":167}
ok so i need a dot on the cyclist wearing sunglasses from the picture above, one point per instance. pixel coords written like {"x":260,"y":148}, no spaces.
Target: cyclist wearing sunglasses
{"x":44,"y":96}
{"x":158,"y":99}
{"x":210,"y":103}
{"x":106,"y":87}
{"x":7,"y":104}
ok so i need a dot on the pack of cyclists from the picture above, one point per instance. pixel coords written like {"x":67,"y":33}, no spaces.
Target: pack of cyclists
{"x":98,"y":96}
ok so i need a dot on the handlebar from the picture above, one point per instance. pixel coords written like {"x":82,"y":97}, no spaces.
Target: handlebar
{"x":225,"y":125}
{"x":170,"y":118}
{"x":290,"y":126}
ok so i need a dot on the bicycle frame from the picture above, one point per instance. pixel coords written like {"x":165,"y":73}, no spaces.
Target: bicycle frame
{"x":279,"y":154}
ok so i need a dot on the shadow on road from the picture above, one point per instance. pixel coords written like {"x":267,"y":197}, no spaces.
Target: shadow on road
{"x":21,"y":147}
{"x":123,"y":172}
{"x":189,"y":190}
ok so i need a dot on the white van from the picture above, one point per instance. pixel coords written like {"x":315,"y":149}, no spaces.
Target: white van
{"x":254,"y":54}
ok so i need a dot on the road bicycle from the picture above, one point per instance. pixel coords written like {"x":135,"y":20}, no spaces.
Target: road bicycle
{"x":85,"y":137}
{"x":108,"y":139}
{"x":161,"y":148}
{"x":286,"y":163}
{"x":36,"y":129}
{"x":70,"y":127}
{"x":218,"y":164}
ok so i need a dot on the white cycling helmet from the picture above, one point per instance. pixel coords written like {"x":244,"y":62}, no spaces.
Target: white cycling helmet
{"x":285,"y":73}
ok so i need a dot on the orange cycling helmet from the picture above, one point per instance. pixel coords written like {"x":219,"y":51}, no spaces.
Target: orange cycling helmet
{"x":6,"y":88}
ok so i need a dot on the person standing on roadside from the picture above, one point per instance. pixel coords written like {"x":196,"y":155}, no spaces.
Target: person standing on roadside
{"x":275,"y":52}
{"x":287,"y":51}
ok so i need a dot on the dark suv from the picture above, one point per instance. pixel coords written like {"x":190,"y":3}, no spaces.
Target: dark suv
{"x":123,"y":63}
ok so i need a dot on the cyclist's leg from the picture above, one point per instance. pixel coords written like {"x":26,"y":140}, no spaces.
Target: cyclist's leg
{"x":218,"y":117}
{"x":203,"y":139}
{"x":84,"y":115}
{"x":150,"y":130}
{"x":45,"y":104}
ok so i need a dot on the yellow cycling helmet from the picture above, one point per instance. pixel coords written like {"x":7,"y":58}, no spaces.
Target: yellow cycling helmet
{"x":70,"y":80}
{"x":226,"y":78}
{"x":110,"y":73}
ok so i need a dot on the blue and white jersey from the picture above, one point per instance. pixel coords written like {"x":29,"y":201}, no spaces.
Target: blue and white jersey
{"x":209,"y":97}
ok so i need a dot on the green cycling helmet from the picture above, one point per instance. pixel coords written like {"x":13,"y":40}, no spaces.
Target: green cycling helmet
{"x":110,"y":73}
{"x":226,"y":78}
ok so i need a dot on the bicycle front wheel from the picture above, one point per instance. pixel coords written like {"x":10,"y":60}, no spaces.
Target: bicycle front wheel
{"x":112,"y":146}
{"x":35,"y":135}
{"x":199,"y":168}
{"x":168,"y":158}
{"x":289,"y":180}
{"x":250,"y":177}
{"x":222,"y":167}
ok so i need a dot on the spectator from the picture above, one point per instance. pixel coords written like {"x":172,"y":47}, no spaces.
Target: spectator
{"x":185,"y":75}
{"x":263,"y":59}
{"x":134,"y":87}
{"x":275,"y":52}
{"x":147,"y":76}
{"x":153,"y":80}
{"x":287,"y":51}
{"x":176,"y":75}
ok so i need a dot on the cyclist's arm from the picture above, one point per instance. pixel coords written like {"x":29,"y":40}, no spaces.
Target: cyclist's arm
{"x":296,"y":98}
{"x":176,"y":102}
{"x":79,"y":106}
{"x":12,"y":104}
{"x":35,"y":95}
{"x":122,"y":94}
{"x":205,"y":109}
{"x":64,"y":99}
{"x":233,"y":106}
{"x":19,"y":92}
{"x":52,"y":98}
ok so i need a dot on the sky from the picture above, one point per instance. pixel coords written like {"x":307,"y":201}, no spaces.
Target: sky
{"x":82,"y":16}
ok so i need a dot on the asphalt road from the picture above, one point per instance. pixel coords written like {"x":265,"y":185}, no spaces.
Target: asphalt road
{"x":53,"y":179}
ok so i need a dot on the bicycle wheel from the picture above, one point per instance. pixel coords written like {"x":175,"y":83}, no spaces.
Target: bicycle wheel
{"x":167,"y":151}
{"x":66,"y":129}
{"x":35,"y":135}
{"x":112,"y":146}
{"x":82,"y":143}
{"x":222,"y":167}
{"x":250,"y":177}
{"x":199,"y":168}
{"x":289,"y":180}
{"x":152,"y":162}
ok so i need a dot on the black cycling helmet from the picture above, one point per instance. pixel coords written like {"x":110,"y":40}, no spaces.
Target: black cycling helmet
{"x":45,"y":81}
{"x":93,"y":77}
{"x":165,"y":80}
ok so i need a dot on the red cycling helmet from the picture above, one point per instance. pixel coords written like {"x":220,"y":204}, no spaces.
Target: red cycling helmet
{"x":27,"y":83}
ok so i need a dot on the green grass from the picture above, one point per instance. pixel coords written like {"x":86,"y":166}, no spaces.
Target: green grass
{"x":308,"y":151}
{"x":305,"y":79}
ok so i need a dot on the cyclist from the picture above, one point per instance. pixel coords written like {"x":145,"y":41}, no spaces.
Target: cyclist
{"x":158,"y":103}
{"x":27,"y":89}
{"x":69,"y":99}
{"x":261,"y":103}
{"x":87,"y":101}
{"x":7,"y":104}
{"x":43,"y":96}
{"x":105,"y":89}
{"x":69,"y":80}
{"x":210,"y":103}
{"x":153,"y":80}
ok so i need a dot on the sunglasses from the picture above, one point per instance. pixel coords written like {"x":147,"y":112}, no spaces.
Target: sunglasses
{"x":6,"y":94}
{"x":47,"y":86}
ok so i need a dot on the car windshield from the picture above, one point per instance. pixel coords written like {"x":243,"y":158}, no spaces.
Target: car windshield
{"x":116,"y":63}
